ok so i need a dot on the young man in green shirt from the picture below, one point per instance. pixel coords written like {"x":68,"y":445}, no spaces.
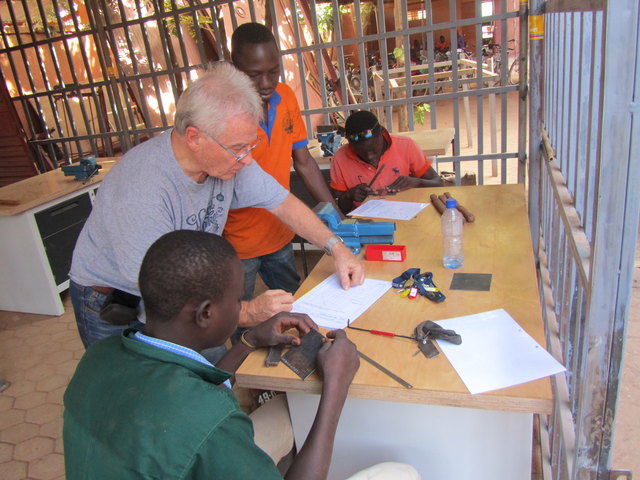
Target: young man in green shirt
{"x":148,"y":405}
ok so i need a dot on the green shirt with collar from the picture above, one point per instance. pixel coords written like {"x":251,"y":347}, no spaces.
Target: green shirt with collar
{"x":134,"y":411}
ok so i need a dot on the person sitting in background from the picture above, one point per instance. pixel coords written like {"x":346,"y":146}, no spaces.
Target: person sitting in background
{"x":148,"y":405}
{"x":442,"y":45}
{"x":462,"y":43}
{"x":396,"y":162}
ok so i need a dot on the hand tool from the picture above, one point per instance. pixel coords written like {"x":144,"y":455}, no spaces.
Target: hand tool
{"x":380,"y":332}
{"x":436,"y":332}
{"x":354,"y":233}
{"x":425,"y":333}
{"x":376,"y":175}
{"x":428,"y":331}
{"x":83,"y":170}
{"x":384,"y":370}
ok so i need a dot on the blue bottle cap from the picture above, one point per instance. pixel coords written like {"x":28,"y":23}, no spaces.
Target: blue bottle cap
{"x":451,"y":203}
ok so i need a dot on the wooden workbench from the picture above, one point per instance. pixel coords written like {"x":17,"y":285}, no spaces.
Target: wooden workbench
{"x":40,"y":219}
{"x":35,"y":191}
{"x":438,"y":422}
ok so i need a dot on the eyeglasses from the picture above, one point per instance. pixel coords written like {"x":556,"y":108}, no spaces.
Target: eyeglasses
{"x":364,"y":135}
{"x":228,"y":150}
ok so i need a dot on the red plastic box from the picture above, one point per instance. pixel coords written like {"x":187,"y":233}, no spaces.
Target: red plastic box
{"x":386,"y":253}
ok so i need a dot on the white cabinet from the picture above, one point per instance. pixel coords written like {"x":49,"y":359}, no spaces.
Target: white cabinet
{"x":40,"y":220}
{"x":36,"y":251}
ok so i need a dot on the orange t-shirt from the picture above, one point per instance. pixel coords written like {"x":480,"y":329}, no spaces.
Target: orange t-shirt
{"x":403,"y":157}
{"x":254,"y":231}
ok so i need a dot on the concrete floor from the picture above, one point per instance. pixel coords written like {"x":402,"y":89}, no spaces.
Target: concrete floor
{"x":38,"y":355}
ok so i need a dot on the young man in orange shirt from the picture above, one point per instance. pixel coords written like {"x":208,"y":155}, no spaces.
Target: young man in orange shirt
{"x":395,"y":162}
{"x":263,"y":242}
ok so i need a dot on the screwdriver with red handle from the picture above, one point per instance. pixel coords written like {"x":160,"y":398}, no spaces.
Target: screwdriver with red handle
{"x":380,"y":332}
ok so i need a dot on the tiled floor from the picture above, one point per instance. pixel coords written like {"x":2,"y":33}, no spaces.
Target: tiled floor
{"x":38,"y":355}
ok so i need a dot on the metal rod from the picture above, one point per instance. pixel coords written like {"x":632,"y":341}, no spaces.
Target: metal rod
{"x":402,"y":382}
{"x":379,"y":332}
{"x":375,"y":177}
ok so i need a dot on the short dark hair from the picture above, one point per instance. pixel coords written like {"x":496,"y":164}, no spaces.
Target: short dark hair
{"x":184,"y":266}
{"x":250,"y":34}
{"x":359,"y":122}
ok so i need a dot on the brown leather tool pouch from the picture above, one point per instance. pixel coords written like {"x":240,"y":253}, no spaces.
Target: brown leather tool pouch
{"x":120,"y":308}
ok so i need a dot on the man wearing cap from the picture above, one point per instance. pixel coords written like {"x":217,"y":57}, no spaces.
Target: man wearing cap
{"x":394,"y":163}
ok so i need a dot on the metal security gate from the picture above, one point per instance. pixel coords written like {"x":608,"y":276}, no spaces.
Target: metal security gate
{"x":96,"y":77}
{"x":584,"y":205}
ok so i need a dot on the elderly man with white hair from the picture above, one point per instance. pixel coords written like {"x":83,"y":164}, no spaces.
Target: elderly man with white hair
{"x":186,"y":178}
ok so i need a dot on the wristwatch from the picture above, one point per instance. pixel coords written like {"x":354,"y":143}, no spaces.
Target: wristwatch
{"x":331,"y":243}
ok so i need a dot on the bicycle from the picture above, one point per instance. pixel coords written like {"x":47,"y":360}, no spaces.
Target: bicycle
{"x":513,"y":76}
{"x":513,"y":68}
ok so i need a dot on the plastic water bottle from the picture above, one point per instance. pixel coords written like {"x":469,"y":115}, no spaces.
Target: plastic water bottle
{"x":452,"y":253}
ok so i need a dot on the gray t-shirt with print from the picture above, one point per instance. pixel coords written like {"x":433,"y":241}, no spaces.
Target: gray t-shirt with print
{"x":146,"y":195}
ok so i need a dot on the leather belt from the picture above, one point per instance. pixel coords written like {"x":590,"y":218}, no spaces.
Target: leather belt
{"x":105,"y":290}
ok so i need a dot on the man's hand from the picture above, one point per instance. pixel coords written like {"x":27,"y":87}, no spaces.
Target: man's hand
{"x":265,"y":306}
{"x":271,"y":332}
{"x":404,"y":183}
{"x":338,"y":361}
{"x":349,"y":268}
{"x":359,"y":193}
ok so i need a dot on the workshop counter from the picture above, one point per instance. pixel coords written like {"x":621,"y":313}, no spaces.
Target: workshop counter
{"x":40,"y":220}
{"x":437,"y":423}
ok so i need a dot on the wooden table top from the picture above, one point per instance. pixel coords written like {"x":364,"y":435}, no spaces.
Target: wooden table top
{"x":499,"y":243}
{"x":35,"y":191}
{"x":431,"y":142}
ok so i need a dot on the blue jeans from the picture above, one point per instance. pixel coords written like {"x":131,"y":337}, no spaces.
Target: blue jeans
{"x":277,"y":270}
{"x":87,"y":303}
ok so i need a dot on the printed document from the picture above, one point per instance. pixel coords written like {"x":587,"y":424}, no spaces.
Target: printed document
{"x":331,"y":307}
{"x":388,"y":209}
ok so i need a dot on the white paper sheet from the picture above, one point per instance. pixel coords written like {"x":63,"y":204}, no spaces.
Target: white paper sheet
{"x":388,"y":209}
{"x":331,"y":307}
{"x":495,"y":352}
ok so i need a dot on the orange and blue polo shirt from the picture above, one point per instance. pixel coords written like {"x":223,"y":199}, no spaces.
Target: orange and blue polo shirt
{"x":254,"y":231}
{"x":403,"y":157}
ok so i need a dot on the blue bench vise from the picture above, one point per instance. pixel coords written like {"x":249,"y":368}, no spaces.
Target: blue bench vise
{"x":329,"y":138}
{"x":87,"y":168}
{"x":355,"y":233}
{"x":329,"y":143}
